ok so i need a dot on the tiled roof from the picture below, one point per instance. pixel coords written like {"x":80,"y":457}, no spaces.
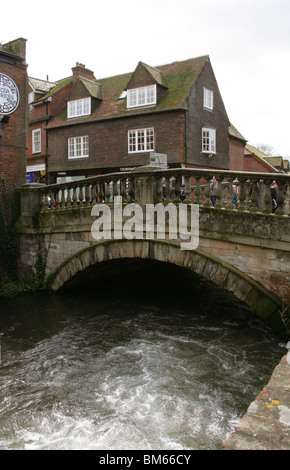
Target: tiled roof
{"x":94,"y":88}
{"x":58,"y":86}
{"x":235,"y":133}
{"x":42,"y":86}
{"x":178,"y":76}
{"x":260,"y":155}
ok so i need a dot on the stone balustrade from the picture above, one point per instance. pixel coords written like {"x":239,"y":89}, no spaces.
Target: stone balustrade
{"x":150,"y":185}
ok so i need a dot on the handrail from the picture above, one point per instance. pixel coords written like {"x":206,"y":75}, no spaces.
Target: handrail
{"x":234,"y":190}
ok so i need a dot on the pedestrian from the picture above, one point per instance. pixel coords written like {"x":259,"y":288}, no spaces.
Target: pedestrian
{"x":213,"y":189}
{"x":274,"y":195}
{"x":250,"y":192}
{"x":235,"y":198}
{"x":164,"y":190}
{"x":182,"y":193}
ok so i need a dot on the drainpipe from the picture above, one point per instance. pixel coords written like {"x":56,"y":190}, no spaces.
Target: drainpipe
{"x":46,"y":140}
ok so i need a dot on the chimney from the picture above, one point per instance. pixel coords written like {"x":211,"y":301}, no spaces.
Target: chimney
{"x":80,"y":71}
{"x":18,"y":47}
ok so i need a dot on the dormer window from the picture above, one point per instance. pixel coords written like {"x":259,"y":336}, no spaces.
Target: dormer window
{"x":145,"y":96}
{"x":79,"y":108}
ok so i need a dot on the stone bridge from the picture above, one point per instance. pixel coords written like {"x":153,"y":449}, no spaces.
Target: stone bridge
{"x":243,"y":247}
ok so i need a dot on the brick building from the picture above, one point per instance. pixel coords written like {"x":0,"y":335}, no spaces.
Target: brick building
{"x":255,"y":160}
{"x":13,"y":112}
{"x":97,"y":126}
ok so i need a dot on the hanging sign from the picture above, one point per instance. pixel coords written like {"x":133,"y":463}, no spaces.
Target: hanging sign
{"x":158,"y":159}
{"x":9,"y":95}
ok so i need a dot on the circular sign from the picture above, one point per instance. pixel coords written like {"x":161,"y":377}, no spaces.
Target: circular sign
{"x":9,"y":95}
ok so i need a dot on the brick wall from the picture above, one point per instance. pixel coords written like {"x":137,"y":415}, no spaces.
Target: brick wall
{"x":198,"y":117}
{"x":13,"y":142}
{"x":253,"y":163}
{"x":108,"y":142}
{"x":236,"y":154}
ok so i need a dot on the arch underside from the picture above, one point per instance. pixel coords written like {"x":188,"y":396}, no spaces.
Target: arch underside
{"x":229,"y":278}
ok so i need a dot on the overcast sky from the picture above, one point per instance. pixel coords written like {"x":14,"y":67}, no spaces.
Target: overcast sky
{"x":248,"y":42}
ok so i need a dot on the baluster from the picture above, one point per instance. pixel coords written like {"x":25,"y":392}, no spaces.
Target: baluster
{"x":57,"y":199}
{"x":218,"y":194}
{"x":287,"y":199}
{"x":107,"y":192}
{"x":62,"y":199}
{"x":123,"y":189}
{"x":101,"y":192}
{"x":69,"y":197}
{"x":131,"y":189}
{"x":230,"y":193}
{"x":159,"y":189}
{"x":177,"y":191}
{"x":81,"y":195}
{"x":206,"y":192}
{"x":87,"y":194}
{"x":197,"y":192}
{"x":74,"y":197}
{"x":280,"y":198}
{"x":242,"y":194}
{"x":224,"y":192}
{"x":188,"y":197}
{"x":94,"y":199}
{"x":254,"y":196}
{"x":170,"y":188}
{"x":52,"y":199}
{"x":165,"y":189}
{"x":116,"y":183}
{"x":44,"y":203}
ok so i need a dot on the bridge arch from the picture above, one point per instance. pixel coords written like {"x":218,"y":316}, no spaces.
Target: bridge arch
{"x":229,"y":278}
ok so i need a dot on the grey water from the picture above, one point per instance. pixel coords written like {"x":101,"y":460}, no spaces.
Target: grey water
{"x":149,"y":358}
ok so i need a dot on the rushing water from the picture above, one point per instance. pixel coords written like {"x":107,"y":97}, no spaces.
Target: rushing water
{"x":153,"y":359}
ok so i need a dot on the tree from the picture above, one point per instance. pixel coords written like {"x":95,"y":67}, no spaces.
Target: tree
{"x":267,"y":149}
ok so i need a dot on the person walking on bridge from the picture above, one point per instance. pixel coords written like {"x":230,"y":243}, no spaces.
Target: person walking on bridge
{"x":213,"y":189}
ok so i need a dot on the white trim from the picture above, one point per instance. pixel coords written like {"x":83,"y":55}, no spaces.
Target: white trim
{"x":77,"y":108}
{"x":35,"y":142}
{"x":208,"y":140}
{"x":78,"y":148}
{"x":144,"y":96}
{"x":141,"y":140}
{"x":207,"y":98}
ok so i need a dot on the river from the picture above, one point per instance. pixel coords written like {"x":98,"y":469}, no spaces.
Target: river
{"x":148,"y":358}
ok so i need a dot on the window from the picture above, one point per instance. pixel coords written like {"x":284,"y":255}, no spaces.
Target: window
{"x":79,"y":108}
{"x":78,"y":147}
{"x":141,"y":140}
{"x":208,"y":140}
{"x":30,"y":100}
{"x":36,"y":141}
{"x":141,"y":96}
{"x":207,"y":98}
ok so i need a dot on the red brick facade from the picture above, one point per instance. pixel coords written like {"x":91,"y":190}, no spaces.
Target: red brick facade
{"x":177,"y":120}
{"x":13,"y":126}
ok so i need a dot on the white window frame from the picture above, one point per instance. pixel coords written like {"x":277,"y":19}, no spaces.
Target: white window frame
{"x":145,"y":96}
{"x":207,"y":98}
{"x":79,"y":108}
{"x":208,"y":140}
{"x":78,"y":147}
{"x":30,"y":100}
{"x":36,"y":141}
{"x":141,"y":140}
